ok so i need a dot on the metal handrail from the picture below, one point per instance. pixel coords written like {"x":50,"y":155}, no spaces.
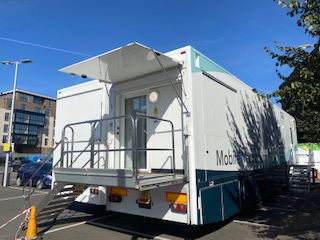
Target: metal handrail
{"x":70,"y":144}
{"x":139,"y":117}
{"x":63,"y":144}
{"x":92,"y":150}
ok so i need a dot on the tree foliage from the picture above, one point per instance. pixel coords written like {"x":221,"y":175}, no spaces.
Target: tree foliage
{"x":300,"y":92}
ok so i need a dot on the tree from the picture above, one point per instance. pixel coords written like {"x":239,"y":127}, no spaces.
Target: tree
{"x":300,"y":91}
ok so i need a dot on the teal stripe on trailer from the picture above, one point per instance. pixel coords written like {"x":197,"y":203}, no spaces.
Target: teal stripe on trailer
{"x":200,"y":62}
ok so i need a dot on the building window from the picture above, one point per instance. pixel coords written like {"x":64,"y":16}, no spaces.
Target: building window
{"x":37,"y":110}
{"x":20,"y":139}
{"x":47,"y":112}
{"x":46,"y":131}
{"x":9,"y":104}
{"x":4,"y":138}
{"x":46,"y":141}
{"x":24,"y":97}
{"x":50,"y":103}
{"x":22,"y":117}
{"x":6,"y":116}
{"x":21,"y":129}
{"x":46,"y":121}
{"x":38,"y":100}
{"x":23,"y":107}
{"x":5,"y":128}
{"x":24,"y":139}
{"x":32,"y":140}
{"x":33,"y":130}
{"x":37,"y":120}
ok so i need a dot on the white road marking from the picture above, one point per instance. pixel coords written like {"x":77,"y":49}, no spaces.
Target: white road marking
{"x":11,"y":198}
{"x":37,"y":191}
{"x":6,"y":199}
{"x":66,"y":227}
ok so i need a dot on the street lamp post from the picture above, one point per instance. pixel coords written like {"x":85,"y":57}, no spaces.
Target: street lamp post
{"x":6,"y":173}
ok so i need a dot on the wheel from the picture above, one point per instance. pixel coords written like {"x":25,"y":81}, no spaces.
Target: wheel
{"x":39,"y":184}
{"x":19,"y":181}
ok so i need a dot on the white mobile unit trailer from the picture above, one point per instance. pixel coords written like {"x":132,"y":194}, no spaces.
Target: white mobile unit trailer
{"x":171,"y":136}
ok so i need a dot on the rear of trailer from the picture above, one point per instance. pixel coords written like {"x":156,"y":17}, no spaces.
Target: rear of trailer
{"x":170,"y":136}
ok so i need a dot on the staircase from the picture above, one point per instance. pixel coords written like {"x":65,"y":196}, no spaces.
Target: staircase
{"x":55,"y":202}
{"x":300,"y":178}
{"x":280,"y":178}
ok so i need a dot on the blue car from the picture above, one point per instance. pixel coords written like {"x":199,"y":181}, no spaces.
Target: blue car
{"x":41,"y":179}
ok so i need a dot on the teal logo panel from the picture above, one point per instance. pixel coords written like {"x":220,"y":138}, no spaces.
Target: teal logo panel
{"x":202,"y":63}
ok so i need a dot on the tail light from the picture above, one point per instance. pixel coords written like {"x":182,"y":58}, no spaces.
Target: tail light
{"x":115,"y":198}
{"x":178,"y":208}
{"x":144,"y":202}
{"x":94,"y":191}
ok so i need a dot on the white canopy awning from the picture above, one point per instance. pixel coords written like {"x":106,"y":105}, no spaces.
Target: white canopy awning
{"x":121,"y":64}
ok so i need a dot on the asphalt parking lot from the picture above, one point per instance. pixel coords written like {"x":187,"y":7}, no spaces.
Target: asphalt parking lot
{"x":279,"y":218}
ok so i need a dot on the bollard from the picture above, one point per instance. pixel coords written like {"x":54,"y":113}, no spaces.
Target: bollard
{"x":32,"y":225}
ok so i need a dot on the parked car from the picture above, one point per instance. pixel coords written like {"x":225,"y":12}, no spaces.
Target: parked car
{"x":42,"y":159}
{"x":3,"y":160}
{"x":18,"y":163}
{"x":42,"y":179}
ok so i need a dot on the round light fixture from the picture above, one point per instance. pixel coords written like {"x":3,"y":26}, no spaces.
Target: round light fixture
{"x":154,"y":96}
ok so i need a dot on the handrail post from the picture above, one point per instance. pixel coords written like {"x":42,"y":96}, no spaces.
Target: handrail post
{"x":62,"y":146}
{"x":72,"y":143}
{"x":66,"y":144}
{"x":93,"y":125}
{"x":67,"y":148}
{"x":173,"y":150}
{"x":134,"y":123}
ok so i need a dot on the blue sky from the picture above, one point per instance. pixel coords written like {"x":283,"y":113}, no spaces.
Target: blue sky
{"x":57,"y":33}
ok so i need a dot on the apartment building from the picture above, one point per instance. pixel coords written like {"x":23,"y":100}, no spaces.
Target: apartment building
{"x":33,"y":121}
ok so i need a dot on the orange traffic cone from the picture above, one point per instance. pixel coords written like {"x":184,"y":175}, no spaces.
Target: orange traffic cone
{"x":32,"y":224}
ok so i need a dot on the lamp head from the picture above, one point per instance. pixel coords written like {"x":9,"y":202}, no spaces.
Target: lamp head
{"x":7,"y":62}
{"x":26,"y":61}
{"x":11,"y":63}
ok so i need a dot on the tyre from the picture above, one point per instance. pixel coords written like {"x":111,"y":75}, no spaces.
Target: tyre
{"x":19,"y":181}
{"x":40,"y":184}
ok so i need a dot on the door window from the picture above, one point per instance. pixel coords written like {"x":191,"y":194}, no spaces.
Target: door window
{"x":134,"y":107}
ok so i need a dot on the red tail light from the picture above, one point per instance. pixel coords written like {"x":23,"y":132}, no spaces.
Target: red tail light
{"x":115,"y":198}
{"x":94,"y":191}
{"x":144,"y":200}
{"x":178,"y":208}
